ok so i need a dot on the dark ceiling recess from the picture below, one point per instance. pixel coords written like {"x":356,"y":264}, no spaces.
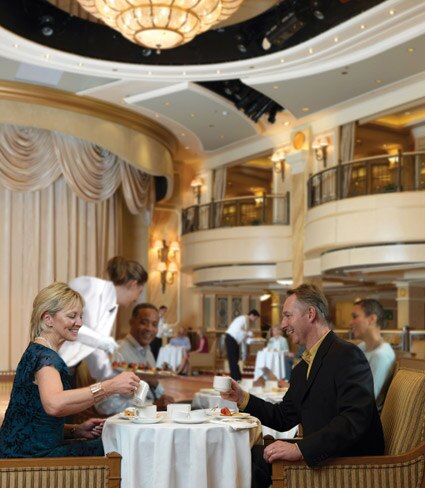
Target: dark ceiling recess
{"x":253,"y":103}
{"x":287,"y":24}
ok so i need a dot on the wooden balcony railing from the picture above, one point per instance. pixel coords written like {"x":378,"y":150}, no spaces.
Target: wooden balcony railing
{"x":378,"y":174}
{"x":243,"y":211}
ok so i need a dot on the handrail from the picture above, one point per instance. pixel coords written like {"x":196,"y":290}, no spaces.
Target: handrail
{"x":267,"y":209}
{"x":368,"y":176}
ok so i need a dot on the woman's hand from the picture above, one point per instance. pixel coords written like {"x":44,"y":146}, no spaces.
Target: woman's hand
{"x":235,"y":394}
{"x":90,"y":429}
{"x":125,"y":383}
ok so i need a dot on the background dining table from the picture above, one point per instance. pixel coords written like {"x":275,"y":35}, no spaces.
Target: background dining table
{"x":275,"y":361}
{"x":174,"y":455}
{"x":172,"y":355}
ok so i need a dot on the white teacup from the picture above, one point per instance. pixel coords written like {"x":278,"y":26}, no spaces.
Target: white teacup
{"x":198,"y":415}
{"x":173,"y":408}
{"x":141,"y":393}
{"x":222,"y":383}
{"x":181,"y":415}
{"x":146,"y":412}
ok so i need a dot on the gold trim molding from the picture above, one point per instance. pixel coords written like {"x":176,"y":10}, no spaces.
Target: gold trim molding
{"x":60,"y":99}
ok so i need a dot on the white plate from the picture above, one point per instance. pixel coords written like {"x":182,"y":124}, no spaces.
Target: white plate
{"x":140,"y":420}
{"x":189,"y":421}
{"x":125,"y":417}
{"x":235,"y":416}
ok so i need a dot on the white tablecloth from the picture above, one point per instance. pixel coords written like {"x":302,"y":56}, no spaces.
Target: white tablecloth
{"x":273,"y":360}
{"x":172,"y":355}
{"x":171,"y":455}
{"x":209,"y":399}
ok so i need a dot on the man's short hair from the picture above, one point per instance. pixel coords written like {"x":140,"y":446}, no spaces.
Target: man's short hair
{"x":371,"y":306}
{"x":312,"y":296}
{"x":141,"y":306}
{"x":254,"y":312}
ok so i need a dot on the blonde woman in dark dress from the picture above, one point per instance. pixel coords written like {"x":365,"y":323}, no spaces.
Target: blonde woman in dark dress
{"x":42,"y":397}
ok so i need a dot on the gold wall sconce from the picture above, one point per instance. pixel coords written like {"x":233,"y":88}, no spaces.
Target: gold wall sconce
{"x":167,"y":254}
{"x":320,"y":148}
{"x":196,"y":185}
{"x":279,"y":159}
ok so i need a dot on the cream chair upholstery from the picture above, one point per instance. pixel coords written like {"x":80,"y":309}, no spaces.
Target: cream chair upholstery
{"x":65,"y":472}
{"x":204,"y":360}
{"x":402,"y":466}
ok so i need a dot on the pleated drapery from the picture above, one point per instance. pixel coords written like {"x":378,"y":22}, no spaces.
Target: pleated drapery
{"x":60,"y":215}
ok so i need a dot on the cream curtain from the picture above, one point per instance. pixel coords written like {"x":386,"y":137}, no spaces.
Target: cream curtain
{"x":219,"y":192}
{"x":60,"y":216}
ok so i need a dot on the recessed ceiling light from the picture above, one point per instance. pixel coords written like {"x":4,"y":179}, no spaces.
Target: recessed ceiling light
{"x":167,"y":104}
{"x":410,"y":50}
{"x":192,"y":115}
{"x":282,"y":60}
{"x":157,"y":116}
{"x":183,"y":134}
{"x":218,"y":71}
{"x":47,"y":56}
{"x":186,"y":147}
{"x":149,"y":73}
{"x":407,"y":113}
{"x":391,"y":12}
{"x":80,"y":64}
{"x":275,"y":87}
{"x":184,"y":73}
{"x":305,"y":109}
{"x":221,"y":137}
{"x":16,"y":46}
{"x":311,"y":51}
{"x":286,"y":123}
{"x":336,"y":39}
{"x":224,"y":113}
{"x":378,"y":82}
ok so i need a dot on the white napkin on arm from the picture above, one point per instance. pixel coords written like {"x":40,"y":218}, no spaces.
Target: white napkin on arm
{"x":241,"y":424}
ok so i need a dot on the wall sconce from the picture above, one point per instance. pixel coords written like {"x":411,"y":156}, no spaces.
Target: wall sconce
{"x":196,"y":185}
{"x":279,"y":158}
{"x":166,"y":265}
{"x":320,"y":148}
{"x":265,"y":296}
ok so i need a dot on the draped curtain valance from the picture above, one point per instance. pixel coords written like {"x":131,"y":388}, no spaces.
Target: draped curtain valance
{"x":32,"y":159}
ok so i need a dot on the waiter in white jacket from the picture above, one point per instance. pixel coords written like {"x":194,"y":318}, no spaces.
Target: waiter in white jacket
{"x":102,"y":298}
{"x":236,"y":334}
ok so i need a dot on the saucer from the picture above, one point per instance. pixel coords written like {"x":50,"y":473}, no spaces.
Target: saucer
{"x":189,"y":421}
{"x":142,"y":420}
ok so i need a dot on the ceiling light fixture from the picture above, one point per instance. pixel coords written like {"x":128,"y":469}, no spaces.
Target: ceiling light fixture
{"x":161,"y":24}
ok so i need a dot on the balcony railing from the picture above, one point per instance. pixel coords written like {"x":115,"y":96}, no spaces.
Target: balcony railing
{"x":378,"y":174}
{"x":243,"y":211}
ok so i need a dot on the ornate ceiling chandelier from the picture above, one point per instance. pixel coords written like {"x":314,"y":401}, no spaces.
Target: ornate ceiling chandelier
{"x":161,"y":24}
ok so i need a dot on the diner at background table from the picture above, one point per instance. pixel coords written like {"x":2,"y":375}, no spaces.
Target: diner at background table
{"x":101,"y":300}
{"x":330,"y":395}
{"x":42,"y":396}
{"x":367,"y":320}
{"x":182,"y":341}
{"x":135,"y":348}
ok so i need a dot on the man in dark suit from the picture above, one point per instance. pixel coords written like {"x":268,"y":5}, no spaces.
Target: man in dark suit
{"x":330,"y":395}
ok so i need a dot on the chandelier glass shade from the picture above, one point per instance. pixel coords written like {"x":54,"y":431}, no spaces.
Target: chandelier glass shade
{"x":161,"y":24}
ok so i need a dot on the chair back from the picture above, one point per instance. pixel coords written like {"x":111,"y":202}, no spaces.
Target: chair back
{"x":403,"y":414}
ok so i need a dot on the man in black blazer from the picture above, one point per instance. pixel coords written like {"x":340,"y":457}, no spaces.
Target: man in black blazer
{"x":330,"y":395}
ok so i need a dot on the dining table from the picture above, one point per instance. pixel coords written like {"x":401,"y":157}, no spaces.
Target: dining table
{"x":270,"y":360}
{"x":172,"y":355}
{"x":167,"y":454}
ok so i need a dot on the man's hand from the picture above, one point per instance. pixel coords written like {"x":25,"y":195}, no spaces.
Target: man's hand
{"x":284,"y":451}
{"x":235,"y":394}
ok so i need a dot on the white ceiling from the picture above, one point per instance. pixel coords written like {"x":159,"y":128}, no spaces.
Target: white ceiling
{"x":372,"y":49}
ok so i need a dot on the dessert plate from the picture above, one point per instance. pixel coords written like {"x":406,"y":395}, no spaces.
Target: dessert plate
{"x":142,"y":420}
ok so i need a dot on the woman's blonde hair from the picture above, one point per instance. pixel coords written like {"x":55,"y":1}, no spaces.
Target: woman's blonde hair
{"x":52,"y":299}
